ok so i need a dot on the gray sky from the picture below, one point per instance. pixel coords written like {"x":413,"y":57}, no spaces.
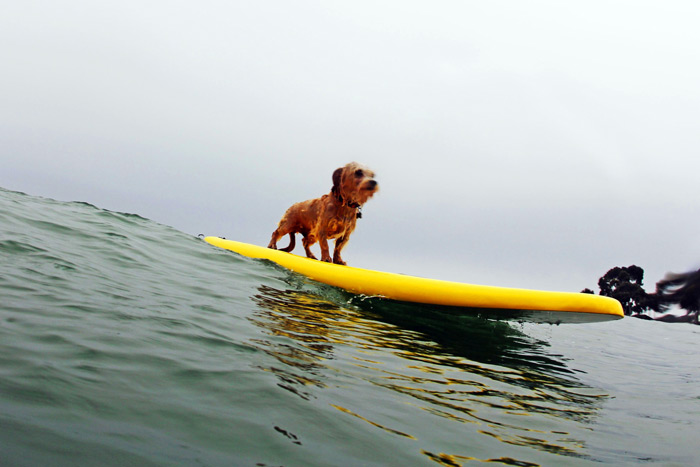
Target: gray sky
{"x":528,"y":144}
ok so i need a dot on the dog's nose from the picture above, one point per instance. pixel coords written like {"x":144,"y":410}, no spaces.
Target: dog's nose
{"x":372,"y":184}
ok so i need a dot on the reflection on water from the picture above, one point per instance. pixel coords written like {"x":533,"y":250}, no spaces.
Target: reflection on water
{"x":470,"y":336}
{"x":485,"y":374}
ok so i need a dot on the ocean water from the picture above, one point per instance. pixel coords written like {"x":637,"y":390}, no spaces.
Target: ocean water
{"x":127,"y":342}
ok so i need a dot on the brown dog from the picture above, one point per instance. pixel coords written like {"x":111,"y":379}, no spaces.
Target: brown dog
{"x":331,"y":216}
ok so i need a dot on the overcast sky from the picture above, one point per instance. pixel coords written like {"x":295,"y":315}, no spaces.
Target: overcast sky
{"x":529,"y":144}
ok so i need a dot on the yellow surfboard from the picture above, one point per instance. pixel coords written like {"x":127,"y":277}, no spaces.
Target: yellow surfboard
{"x":506,"y":303}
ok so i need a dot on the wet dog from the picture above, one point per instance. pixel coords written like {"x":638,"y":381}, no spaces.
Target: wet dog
{"x":332,"y":216}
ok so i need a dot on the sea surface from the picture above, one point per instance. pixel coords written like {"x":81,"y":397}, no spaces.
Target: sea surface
{"x":127,"y":342}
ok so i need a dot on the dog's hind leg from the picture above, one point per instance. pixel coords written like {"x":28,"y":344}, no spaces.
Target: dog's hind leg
{"x":339,"y":244}
{"x":276,"y":235}
{"x":307,"y":241}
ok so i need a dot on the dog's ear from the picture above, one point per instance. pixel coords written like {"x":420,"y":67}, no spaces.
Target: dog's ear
{"x":336,"y":181}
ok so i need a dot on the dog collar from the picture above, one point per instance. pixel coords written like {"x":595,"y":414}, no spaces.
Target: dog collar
{"x":342,"y":201}
{"x":357,"y":206}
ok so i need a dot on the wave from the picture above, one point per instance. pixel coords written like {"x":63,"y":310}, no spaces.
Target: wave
{"x":127,"y":340}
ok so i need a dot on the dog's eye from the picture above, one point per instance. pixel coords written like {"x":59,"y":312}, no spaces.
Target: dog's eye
{"x":359,"y":173}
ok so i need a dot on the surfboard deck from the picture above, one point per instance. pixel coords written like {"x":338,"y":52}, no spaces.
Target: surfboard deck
{"x":494,"y":302}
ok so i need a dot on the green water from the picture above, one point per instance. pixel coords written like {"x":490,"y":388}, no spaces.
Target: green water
{"x":126,"y":342}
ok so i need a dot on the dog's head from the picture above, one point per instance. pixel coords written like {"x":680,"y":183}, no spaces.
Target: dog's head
{"x":354,"y":184}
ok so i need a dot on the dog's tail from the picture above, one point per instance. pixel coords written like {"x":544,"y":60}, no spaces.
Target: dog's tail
{"x":292,"y":243}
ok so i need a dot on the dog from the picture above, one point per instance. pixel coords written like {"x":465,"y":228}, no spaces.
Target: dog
{"x":332,"y":216}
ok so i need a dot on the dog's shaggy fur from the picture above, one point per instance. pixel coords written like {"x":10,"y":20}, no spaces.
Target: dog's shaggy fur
{"x":333,"y":215}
